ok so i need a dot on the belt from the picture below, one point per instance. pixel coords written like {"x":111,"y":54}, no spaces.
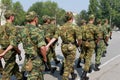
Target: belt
{"x":30,"y":56}
{"x":68,"y":42}
{"x":101,"y":38}
{"x":89,"y":40}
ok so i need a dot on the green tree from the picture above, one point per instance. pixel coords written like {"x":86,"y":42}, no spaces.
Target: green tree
{"x":47,"y":8}
{"x":7,"y":3}
{"x":20,"y":13}
{"x":82,"y":15}
{"x":93,"y":7}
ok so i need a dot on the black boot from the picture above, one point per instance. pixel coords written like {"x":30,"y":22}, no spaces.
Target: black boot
{"x":90,"y":69}
{"x":84,"y":60}
{"x":78,"y":64}
{"x":73,"y":75}
{"x":96,"y":67}
{"x":47,"y":68}
{"x":23,"y":76}
{"x":84,"y":76}
{"x":62,"y":69}
{"x":57,"y":61}
{"x":53,"y":69}
{"x":104,"y":54}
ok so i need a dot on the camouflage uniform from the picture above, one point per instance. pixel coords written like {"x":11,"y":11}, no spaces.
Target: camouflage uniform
{"x":53,"y":29}
{"x":32,"y":39}
{"x":100,"y":46}
{"x":11,"y":67}
{"x":108,"y":31}
{"x":89,"y":35}
{"x":82,"y":54}
{"x":49,"y":32}
{"x":69,"y":33}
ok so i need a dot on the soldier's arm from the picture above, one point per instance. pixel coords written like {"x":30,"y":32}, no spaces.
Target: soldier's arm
{"x":41,"y":44}
{"x":8,"y":49}
{"x":53,"y":39}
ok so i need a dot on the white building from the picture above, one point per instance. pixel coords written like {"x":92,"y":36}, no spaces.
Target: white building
{"x":2,"y":19}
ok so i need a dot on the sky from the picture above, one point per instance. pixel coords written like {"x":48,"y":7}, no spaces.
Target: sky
{"x":69,"y":5}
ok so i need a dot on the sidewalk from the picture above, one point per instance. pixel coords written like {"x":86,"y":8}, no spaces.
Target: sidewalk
{"x":109,"y":70}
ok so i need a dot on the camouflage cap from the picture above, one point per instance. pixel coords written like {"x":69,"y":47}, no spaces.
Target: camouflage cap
{"x":8,"y":13}
{"x":83,"y":21}
{"x":98,"y":21}
{"x":52,"y":18}
{"x":45,"y":17}
{"x":31,"y":15}
{"x":91,"y":16}
{"x":68,"y":15}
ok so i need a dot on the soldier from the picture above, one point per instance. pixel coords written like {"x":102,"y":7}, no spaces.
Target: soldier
{"x":89,"y":37}
{"x":99,"y":49}
{"x":33,"y":43}
{"x":53,"y":29}
{"x":109,"y":33}
{"x":82,"y":54}
{"x":69,"y":33}
{"x":49,"y":31}
{"x":8,"y":32}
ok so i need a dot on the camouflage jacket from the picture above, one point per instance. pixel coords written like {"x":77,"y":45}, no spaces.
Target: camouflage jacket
{"x":89,"y":32}
{"x":102,"y":31}
{"x":69,"y":33}
{"x":49,"y":30}
{"x":7,"y":33}
{"x":108,"y":28}
{"x":31,"y":37}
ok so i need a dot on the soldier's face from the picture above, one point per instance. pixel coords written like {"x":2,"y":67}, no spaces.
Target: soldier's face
{"x":12,"y":18}
{"x":36,"y":20}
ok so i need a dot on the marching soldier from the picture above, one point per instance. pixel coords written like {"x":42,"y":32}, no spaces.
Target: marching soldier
{"x":89,"y":37}
{"x":49,"y":31}
{"x":34,"y":45}
{"x":8,"y":33}
{"x":99,"y":49}
{"x":69,"y":33}
{"x":82,"y":54}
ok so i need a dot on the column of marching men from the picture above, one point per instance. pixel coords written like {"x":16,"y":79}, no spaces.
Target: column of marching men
{"x":39,"y":44}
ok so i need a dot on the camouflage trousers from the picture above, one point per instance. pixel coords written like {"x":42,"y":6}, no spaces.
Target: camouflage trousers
{"x":51,"y":54}
{"x":99,"y":52}
{"x":89,"y":50}
{"x":36,"y":72}
{"x":11,"y":67}
{"x":69,"y":57}
{"x":82,"y":54}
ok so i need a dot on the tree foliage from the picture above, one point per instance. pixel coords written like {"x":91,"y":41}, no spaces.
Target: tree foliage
{"x":48,"y":8}
{"x":103,"y":9}
{"x":82,"y":15}
{"x":20,"y":13}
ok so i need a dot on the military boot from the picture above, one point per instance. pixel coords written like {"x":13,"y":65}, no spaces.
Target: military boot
{"x":53,"y":69}
{"x":62,"y":69}
{"x":84,"y":76}
{"x":97,"y":67}
{"x":23,"y":76}
{"x":57,"y":61}
{"x":104,"y":54}
{"x":84,"y":60}
{"x":47,"y":68}
{"x":78,"y":64}
{"x":90,"y":69}
{"x":73,"y":75}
